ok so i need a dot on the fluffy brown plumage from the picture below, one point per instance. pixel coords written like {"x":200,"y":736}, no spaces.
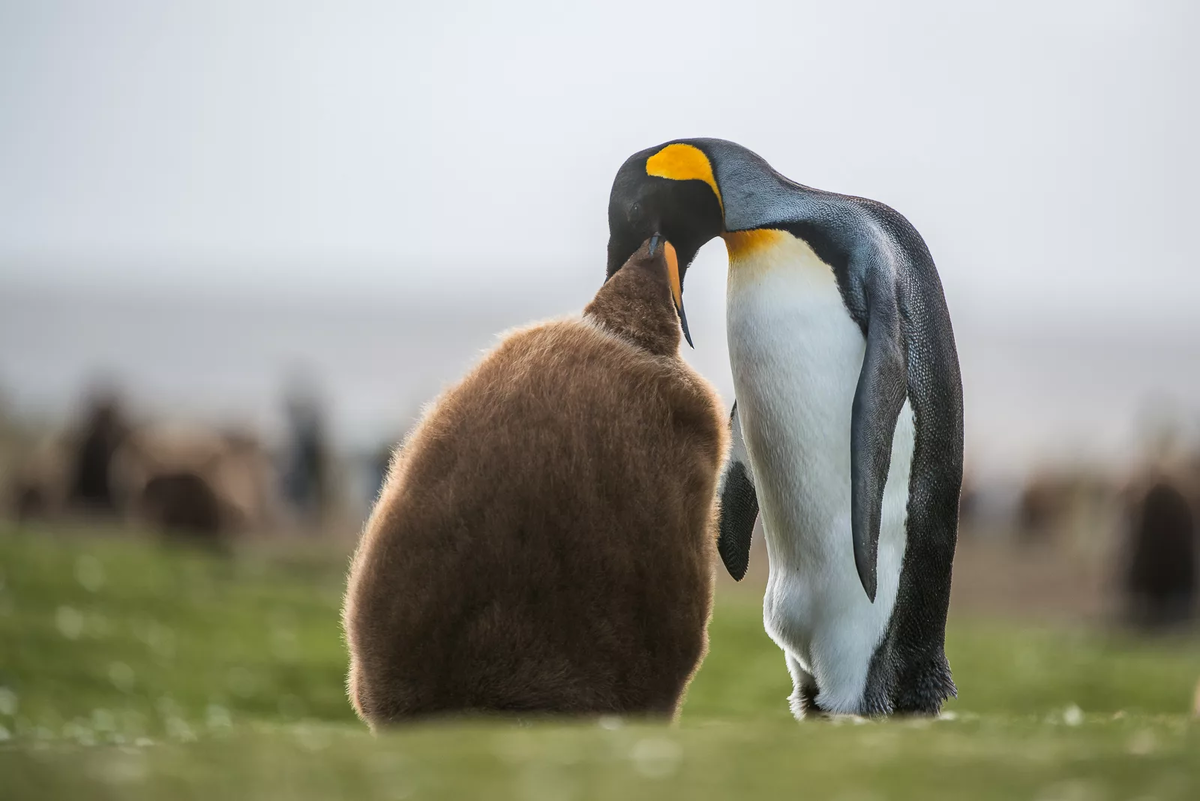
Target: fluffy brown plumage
{"x":544,"y":543}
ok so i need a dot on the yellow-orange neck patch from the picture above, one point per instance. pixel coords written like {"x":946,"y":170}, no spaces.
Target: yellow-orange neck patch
{"x":744,"y":244}
{"x":681,"y":162}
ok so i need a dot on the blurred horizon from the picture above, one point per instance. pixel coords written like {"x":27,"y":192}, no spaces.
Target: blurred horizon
{"x":183,"y":183}
{"x":1037,"y":394}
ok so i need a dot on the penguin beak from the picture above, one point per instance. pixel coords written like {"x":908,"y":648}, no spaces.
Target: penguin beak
{"x":676,"y":282}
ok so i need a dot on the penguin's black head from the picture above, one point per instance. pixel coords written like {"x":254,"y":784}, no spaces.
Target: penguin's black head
{"x":668,"y":191}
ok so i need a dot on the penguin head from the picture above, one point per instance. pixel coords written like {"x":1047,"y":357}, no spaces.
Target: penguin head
{"x":667,"y":191}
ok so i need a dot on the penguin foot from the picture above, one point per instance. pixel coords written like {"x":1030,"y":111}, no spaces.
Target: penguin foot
{"x":924,"y":695}
{"x":803,"y":703}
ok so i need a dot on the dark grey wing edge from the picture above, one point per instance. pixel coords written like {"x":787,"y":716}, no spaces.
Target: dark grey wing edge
{"x":739,"y":504}
{"x":878,"y":399}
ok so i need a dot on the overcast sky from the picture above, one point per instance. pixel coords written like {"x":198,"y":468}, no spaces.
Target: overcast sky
{"x":1047,"y":151}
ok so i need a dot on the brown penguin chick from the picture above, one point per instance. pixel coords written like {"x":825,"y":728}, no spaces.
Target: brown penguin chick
{"x":545,"y":540}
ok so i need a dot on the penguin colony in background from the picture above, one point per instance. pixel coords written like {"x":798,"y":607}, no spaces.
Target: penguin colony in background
{"x":189,"y":484}
{"x":1160,"y":578}
{"x":545,"y":540}
{"x":847,"y":425}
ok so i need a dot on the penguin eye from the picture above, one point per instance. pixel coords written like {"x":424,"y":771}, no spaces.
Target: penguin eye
{"x":635,"y":212}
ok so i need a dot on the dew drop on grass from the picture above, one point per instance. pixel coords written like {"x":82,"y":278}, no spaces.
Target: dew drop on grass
{"x":178,"y":729}
{"x":161,"y":640}
{"x":8,"y":702}
{"x":656,"y":757}
{"x":167,"y":707}
{"x":122,"y":676}
{"x":79,"y":732}
{"x":69,"y":622}
{"x":158,"y":638}
{"x":217,"y":717}
{"x":1073,"y":715}
{"x":103,"y":720}
{"x":133,"y":723}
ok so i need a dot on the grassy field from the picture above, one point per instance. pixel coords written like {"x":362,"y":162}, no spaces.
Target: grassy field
{"x":130,"y":671}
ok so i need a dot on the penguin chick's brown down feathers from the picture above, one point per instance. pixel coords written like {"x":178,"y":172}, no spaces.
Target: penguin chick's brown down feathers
{"x":545,"y":541}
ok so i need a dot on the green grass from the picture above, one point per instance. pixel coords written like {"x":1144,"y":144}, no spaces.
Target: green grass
{"x":130,"y":671}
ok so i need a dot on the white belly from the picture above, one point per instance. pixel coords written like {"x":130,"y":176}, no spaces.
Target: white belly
{"x":796,"y":356}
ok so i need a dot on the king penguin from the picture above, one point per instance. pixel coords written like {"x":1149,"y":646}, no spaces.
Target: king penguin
{"x":847,"y":427}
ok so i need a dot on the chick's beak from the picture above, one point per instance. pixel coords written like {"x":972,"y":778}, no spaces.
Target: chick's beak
{"x":676,"y":287}
{"x":673,"y":275}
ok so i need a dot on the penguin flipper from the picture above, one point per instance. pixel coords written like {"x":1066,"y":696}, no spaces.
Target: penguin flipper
{"x":878,"y":399}
{"x":739,"y":505}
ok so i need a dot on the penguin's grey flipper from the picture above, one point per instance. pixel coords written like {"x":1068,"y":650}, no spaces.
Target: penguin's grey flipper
{"x":739,"y":504}
{"x":878,"y":399}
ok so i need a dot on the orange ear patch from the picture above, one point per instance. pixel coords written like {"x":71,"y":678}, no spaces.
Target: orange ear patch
{"x":681,"y":162}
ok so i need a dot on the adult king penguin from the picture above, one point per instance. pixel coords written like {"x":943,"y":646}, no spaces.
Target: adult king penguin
{"x":847,"y":424}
